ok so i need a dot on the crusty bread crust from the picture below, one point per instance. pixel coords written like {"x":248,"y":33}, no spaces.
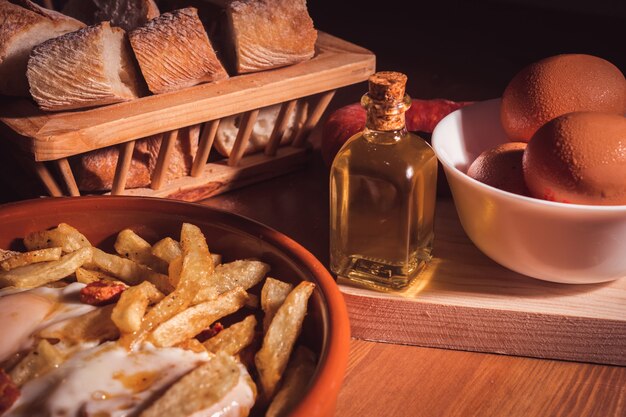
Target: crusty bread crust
{"x":270,"y":33}
{"x":89,"y":67}
{"x":95,"y":170}
{"x":174,"y":52}
{"x":22,"y":27}
{"x":127,"y":14}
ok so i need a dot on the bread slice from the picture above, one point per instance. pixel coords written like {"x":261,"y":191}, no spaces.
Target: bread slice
{"x":261,"y":131}
{"x":95,"y":170}
{"x":89,"y":67}
{"x":268,"y":34}
{"x":127,"y":14}
{"x":174,"y":52}
{"x":23,"y":26}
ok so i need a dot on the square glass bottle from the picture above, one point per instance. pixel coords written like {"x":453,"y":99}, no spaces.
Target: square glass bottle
{"x":382,"y":193}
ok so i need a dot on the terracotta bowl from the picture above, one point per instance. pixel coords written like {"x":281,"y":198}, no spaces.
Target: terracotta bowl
{"x":326,"y":329}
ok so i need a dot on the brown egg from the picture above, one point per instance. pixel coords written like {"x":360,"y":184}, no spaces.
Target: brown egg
{"x":501,"y":167}
{"x":558,"y":85}
{"x":578,"y":158}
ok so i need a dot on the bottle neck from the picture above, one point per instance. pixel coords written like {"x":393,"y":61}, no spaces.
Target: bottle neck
{"x":385,"y":119}
{"x":384,"y":115}
{"x":385,"y":137}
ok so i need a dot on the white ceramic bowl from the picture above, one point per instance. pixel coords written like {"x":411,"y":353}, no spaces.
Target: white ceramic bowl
{"x":557,"y":242}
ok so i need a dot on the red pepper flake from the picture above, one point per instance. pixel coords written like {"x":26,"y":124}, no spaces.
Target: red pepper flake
{"x":210,"y":332}
{"x":9,"y":392}
{"x":102,"y":292}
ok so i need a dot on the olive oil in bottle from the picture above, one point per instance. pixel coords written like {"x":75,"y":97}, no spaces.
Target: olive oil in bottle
{"x":382,"y":193}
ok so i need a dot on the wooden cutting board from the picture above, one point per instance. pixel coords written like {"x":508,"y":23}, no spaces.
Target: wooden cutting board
{"x":465,"y":301}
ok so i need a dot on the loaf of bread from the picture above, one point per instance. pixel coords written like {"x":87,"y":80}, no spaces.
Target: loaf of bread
{"x":265,"y":34}
{"x":174,"y":52}
{"x":261,"y":131}
{"x":127,"y":14}
{"x":90,"y":67}
{"x":95,"y":170}
{"x":24,"y":25}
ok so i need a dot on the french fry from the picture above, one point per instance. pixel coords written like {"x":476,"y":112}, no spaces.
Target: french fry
{"x":192,"y":344}
{"x":199,"y":389}
{"x":195,"y":273}
{"x":167,"y":249}
{"x":132,"y":246}
{"x":242,"y":273}
{"x":273,"y":295}
{"x":87,"y":276}
{"x":64,"y":236}
{"x":298,"y":375}
{"x":129,"y":271}
{"x":95,"y":325}
{"x":233,"y":339}
{"x":37,"y":362}
{"x":35,"y":275}
{"x":131,"y":307}
{"x":193,"y":320}
{"x":31,"y":257}
{"x":281,"y":335}
{"x":253,"y":301}
{"x":6,"y":254}
{"x":174,"y":269}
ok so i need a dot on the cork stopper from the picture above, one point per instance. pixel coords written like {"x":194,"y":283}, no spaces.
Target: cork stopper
{"x":387,"y":86}
{"x":386,"y":101}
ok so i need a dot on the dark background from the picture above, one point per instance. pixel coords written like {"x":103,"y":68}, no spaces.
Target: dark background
{"x":468,"y":50}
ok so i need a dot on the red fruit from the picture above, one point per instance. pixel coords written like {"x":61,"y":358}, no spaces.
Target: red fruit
{"x":343,"y":123}
{"x":339,"y":127}
{"x":423,"y":115}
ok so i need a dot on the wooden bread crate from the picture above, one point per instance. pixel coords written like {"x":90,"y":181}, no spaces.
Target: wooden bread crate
{"x":47,"y":140}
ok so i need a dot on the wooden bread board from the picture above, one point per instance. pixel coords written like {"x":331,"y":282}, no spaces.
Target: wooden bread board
{"x":465,"y":301}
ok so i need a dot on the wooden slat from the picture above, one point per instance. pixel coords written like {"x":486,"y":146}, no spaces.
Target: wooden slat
{"x":279,"y":127}
{"x":50,"y":136}
{"x":66,"y":172}
{"x":122,"y":167}
{"x":207,"y":137}
{"x":219,"y":177}
{"x":47,"y":179}
{"x":315,"y":116}
{"x":243,"y":137}
{"x":163,"y":161}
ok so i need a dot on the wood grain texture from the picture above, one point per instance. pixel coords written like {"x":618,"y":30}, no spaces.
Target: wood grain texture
{"x":243,"y":137}
{"x":50,"y":136}
{"x":122,"y":167}
{"x":408,"y":381}
{"x":387,"y":379}
{"x":219,"y":177}
{"x":279,"y":127}
{"x":209,"y":130}
{"x":464,"y":300}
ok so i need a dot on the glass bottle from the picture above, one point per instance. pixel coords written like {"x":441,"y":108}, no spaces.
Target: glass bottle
{"x":382,"y":193}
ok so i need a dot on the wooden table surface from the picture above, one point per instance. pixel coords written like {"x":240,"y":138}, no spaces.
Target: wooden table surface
{"x":395,"y":380}
{"x":463,"y":51}
{"x":447,"y":52}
